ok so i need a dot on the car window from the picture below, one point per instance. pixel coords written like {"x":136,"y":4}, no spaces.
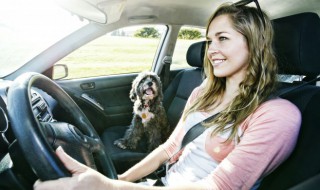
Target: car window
{"x":289,"y":78}
{"x":187,"y":36}
{"x":126,"y":50}
{"x":29,"y":27}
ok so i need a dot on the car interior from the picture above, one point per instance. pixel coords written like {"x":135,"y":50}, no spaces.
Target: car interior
{"x":296,"y":43}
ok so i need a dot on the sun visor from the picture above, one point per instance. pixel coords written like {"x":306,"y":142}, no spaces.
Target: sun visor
{"x":100,"y":11}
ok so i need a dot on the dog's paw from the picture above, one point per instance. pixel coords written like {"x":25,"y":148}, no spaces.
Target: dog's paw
{"x":120,"y":144}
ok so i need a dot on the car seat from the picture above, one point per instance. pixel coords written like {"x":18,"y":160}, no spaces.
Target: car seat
{"x":175,"y":98}
{"x":297,"y":44}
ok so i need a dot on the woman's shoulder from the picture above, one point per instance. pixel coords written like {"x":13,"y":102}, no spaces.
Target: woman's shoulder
{"x":279,"y":109}
{"x":280,"y":104}
{"x":275,"y":113}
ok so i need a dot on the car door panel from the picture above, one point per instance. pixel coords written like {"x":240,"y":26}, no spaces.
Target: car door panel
{"x":105,"y":100}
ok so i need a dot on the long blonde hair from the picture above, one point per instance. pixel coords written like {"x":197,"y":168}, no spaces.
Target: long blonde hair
{"x":260,"y":79}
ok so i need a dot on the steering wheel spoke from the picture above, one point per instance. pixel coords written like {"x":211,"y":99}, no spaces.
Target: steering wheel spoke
{"x":39,"y":139}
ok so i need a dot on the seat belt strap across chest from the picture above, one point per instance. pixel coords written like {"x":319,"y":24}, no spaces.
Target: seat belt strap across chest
{"x":195,"y":131}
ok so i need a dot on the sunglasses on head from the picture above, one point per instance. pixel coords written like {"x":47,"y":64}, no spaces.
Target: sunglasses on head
{"x":246,"y":2}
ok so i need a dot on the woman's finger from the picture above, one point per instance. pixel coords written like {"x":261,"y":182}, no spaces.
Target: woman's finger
{"x":71,"y":164}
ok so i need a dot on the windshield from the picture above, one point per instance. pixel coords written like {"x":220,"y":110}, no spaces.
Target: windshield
{"x":29,"y":27}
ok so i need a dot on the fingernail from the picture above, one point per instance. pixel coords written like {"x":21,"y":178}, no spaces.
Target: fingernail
{"x":60,"y":149}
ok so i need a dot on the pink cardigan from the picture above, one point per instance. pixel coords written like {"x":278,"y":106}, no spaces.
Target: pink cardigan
{"x":268,"y":136}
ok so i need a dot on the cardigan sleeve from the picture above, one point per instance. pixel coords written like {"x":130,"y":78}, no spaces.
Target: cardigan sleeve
{"x":269,"y":137}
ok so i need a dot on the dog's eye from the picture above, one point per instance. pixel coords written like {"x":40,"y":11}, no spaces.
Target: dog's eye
{"x":152,"y":79}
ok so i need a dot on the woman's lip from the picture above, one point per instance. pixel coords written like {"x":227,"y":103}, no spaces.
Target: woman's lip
{"x":217,"y":62}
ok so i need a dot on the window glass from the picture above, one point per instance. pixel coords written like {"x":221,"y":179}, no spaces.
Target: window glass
{"x":126,"y":50}
{"x":289,"y":78}
{"x":186,"y":37}
{"x":29,"y":27}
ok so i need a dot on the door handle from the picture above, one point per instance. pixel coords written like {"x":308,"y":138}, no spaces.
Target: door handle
{"x":88,"y":86}
{"x":92,"y":101}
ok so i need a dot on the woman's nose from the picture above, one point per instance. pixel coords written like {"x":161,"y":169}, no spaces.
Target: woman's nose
{"x":212,"y":48}
{"x":212,"y":51}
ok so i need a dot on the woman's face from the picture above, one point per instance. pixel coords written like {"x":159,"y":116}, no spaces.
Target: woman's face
{"x":228,"y":50}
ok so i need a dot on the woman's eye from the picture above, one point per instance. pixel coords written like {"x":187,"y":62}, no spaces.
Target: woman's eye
{"x":222,"y":38}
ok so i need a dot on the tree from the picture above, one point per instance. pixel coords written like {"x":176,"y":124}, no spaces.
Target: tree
{"x":147,"y":32}
{"x":189,"y":34}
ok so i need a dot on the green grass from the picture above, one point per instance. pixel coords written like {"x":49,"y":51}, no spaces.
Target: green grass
{"x":114,"y":55}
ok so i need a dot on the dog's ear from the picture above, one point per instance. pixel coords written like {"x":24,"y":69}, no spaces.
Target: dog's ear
{"x":159,"y":84}
{"x":133,"y":95}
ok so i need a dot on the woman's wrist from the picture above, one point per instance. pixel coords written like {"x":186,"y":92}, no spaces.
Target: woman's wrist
{"x":122,"y":177}
{"x":125,"y":177}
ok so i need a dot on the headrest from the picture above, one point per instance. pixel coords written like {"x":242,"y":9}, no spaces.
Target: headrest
{"x":297,"y":44}
{"x":195,"y":54}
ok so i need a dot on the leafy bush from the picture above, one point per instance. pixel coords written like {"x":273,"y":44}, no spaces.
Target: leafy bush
{"x":147,"y":32}
{"x":189,"y":34}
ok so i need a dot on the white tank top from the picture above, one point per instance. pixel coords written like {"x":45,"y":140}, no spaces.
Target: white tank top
{"x":195,"y":163}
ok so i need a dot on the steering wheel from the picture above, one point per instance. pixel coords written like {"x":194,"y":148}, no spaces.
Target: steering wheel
{"x":37,"y":139}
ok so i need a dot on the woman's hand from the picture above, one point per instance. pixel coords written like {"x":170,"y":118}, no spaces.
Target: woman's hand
{"x":83,"y":177}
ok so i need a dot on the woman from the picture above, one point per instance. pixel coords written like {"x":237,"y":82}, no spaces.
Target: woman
{"x":241,"y":145}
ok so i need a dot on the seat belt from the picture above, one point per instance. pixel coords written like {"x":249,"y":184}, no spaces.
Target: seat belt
{"x":191,"y":134}
{"x":167,"y":60}
{"x":195,"y":131}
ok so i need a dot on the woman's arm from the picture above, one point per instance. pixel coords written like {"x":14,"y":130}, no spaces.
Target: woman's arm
{"x":84,"y":178}
{"x":269,"y":138}
{"x":145,"y":166}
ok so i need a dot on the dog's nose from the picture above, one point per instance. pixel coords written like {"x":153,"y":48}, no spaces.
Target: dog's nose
{"x":149,"y":83}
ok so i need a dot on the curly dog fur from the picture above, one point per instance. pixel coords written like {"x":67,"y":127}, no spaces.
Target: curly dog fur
{"x":149,"y":117}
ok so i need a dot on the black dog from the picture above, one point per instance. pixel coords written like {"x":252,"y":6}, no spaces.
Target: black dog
{"x":149,"y":117}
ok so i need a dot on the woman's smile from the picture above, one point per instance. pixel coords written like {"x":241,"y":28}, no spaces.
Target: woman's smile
{"x":217,"y":62}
